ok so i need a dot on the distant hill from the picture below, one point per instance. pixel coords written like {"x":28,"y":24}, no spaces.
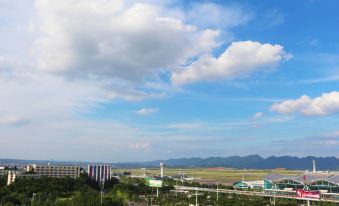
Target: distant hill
{"x":246,"y":162}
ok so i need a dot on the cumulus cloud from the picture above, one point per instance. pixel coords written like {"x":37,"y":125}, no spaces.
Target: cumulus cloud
{"x":289,"y":106}
{"x":113,"y":40}
{"x":238,"y":60}
{"x":134,"y":41}
{"x":326,"y":104}
{"x":207,"y":41}
{"x":147,"y":111}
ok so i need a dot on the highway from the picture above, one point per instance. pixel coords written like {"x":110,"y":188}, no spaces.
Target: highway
{"x":335,"y":198}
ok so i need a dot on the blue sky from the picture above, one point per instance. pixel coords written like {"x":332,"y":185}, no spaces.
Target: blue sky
{"x":143,"y":80}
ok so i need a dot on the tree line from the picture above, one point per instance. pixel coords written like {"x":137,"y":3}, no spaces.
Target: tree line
{"x":83,"y":191}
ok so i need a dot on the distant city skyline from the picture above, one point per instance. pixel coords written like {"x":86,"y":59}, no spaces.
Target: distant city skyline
{"x":115,"y":81}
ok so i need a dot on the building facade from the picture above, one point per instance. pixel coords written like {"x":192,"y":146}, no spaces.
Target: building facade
{"x":99,"y":172}
{"x":325,"y":182}
{"x":55,"y":171}
{"x":3,"y":171}
{"x":260,"y":184}
{"x":13,"y":175}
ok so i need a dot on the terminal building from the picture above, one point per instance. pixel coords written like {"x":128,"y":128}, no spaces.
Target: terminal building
{"x":99,"y":172}
{"x":260,"y":184}
{"x":325,"y":182}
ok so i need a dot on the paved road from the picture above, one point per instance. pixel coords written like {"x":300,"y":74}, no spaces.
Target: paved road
{"x":261,"y":194}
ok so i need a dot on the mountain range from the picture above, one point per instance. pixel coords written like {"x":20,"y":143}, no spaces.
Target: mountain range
{"x":245,"y":162}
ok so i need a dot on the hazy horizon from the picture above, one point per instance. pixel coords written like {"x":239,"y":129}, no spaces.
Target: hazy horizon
{"x":141,"y":80}
{"x":151,"y":160}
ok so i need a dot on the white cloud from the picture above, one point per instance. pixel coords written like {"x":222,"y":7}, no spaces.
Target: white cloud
{"x":210,"y":15}
{"x":134,"y":41}
{"x":332,"y":78}
{"x":202,"y":127}
{"x":325,"y":144}
{"x":57,"y":138}
{"x":112,"y":40}
{"x":41,"y":97}
{"x":258,"y":115}
{"x":207,"y":40}
{"x":187,"y":126}
{"x":274,"y":18}
{"x":13,"y":120}
{"x":147,"y":111}
{"x":289,"y":106}
{"x":326,"y":104}
{"x":239,"y":59}
{"x":44,"y":97}
{"x":140,"y":146}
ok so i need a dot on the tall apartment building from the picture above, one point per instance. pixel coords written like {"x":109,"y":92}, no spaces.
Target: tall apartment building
{"x":99,"y":172}
{"x":56,"y":171}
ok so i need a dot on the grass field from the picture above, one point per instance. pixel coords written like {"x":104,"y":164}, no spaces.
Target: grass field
{"x":212,"y":175}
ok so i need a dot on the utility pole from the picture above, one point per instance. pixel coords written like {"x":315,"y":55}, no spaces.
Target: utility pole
{"x":196,"y":197}
{"x":102,"y":190}
{"x":217,"y":192}
{"x":308,"y":202}
{"x":33,"y":198}
{"x":275,"y":189}
{"x":176,"y":192}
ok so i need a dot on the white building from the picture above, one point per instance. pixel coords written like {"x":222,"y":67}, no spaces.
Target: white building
{"x":3,"y":171}
{"x":56,"y":171}
{"x":13,"y":175}
{"x":259,"y":184}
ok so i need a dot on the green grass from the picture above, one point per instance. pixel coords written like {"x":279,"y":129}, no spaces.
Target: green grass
{"x":224,"y":176}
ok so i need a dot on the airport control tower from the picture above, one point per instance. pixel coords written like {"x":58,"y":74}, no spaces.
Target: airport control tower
{"x":162,"y":165}
{"x":314,"y":168}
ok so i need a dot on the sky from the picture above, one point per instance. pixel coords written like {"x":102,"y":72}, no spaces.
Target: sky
{"x":145,"y":80}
